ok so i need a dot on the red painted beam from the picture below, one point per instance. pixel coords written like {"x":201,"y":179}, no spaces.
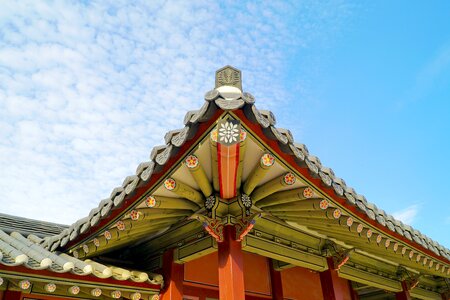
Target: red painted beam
{"x":231,"y":267}
{"x":173,"y":277}
{"x":12,"y":295}
{"x":276,"y":283}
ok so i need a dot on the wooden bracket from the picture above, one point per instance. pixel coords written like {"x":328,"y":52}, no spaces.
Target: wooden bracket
{"x":338,"y":256}
{"x":410,"y":281}
{"x":245,"y":224}
{"x":214,"y":227}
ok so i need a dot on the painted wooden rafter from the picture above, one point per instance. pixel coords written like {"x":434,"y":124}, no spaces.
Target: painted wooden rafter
{"x":183,"y":190}
{"x":266,"y":161}
{"x":192,"y":163}
{"x":272,"y":186}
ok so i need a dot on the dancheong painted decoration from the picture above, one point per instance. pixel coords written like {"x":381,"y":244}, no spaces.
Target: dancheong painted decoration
{"x":230,"y":207}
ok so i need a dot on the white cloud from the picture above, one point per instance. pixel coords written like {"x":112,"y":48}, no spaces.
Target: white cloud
{"x":87,"y":89}
{"x":407,"y":215}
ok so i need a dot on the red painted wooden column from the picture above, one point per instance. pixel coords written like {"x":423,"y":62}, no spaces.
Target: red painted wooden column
{"x":276,"y":283}
{"x":404,"y":294}
{"x":331,"y":289}
{"x":173,"y":278}
{"x":231,"y":268}
{"x":12,"y":295}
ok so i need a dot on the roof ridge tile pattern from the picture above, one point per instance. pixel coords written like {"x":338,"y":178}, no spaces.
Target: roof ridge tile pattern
{"x":176,"y":138}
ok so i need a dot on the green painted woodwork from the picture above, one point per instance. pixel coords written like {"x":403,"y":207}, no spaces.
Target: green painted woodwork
{"x":371,"y":279}
{"x":285,"y":253}
{"x":172,"y":203}
{"x":196,"y":249}
{"x":268,"y":188}
{"x":284,"y":231}
{"x":282,"y":197}
{"x":201,"y":179}
{"x":255,"y":176}
{"x":424,"y":294}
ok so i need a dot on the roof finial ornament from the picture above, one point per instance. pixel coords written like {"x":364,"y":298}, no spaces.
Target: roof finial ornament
{"x":229,"y":76}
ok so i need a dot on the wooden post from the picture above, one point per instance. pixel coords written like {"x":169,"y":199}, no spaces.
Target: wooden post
{"x":231,"y":273}
{"x":404,"y":294}
{"x":12,"y":295}
{"x":173,"y":278}
{"x":331,"y":289}
{"x":276,"y":283}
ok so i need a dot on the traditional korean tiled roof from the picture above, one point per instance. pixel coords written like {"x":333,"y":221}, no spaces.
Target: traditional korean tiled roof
{"x":17,"y":250}
{"x":32,"y":268}
{"x":27,"y":226}
{"x":228,"y":100}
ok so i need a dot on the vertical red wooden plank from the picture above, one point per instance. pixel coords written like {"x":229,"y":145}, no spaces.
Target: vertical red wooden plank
{"x":404,"y":294}
{"x":326,"y":281}
{"x":173,"y":277}
{"x":276,"y":282}
{"x":334,"y":287}
{"x":12,"y":295}
{"x":231,"y":275}
{"x":353,"y":293}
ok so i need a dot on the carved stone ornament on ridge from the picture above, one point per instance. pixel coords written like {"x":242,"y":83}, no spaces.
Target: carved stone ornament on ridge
{"x":228,"y":76}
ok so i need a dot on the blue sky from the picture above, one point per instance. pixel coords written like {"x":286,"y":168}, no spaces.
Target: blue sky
{"x":86,"y":90}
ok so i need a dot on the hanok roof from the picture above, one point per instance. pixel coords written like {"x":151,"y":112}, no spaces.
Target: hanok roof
{"x":341,"y":204}
{"x":56,"y":273}
{"x":27,"y":226}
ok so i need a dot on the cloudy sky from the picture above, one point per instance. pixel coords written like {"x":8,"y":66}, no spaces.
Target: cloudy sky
{"x":87,"y":89}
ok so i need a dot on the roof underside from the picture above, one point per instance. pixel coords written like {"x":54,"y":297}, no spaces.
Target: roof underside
{"x":319,"y":203}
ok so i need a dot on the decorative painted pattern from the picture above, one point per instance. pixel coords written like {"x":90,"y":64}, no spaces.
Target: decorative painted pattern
{"x":136,"y":296}
{"x":214,"y":135}
{"x":430,"y":264}
{"x":411,"y":254}
{"x":96,"y":242}
{"x":1,"y":281}
{"x":395,"y":247}
{"x":96,"y":292}
{"x":267,"y":160}
{"x":246,"y":200}
{"x":75,"y":253}
{"x":107,"y":235}
{"x":369,"y":233}
{"x":387,"y":243}
{"x":150,"y":201}
{"x":308,"y":193}
{"x":243,"y":135}
{"x":418,"y":257}
{"x":86,"y":248}
{"x":120,"y":225}
{"x":191,"y":161}
{"x":170,"y":184}
{"x":324,"y":204}
{"x":228,"y":132}
{"x":337,"y":213}
{"x":134,"y":215}
{"x":289,"y":178}
{"x":425,"y":260}
{"x":155,"y":297}
{"x":116,"y":294}
{"x":379,"y":238}
{"x":349,"y":221}
{"x":403,"y":250}
{"x":24,"y":284}
{"x":74,"y":290}
{"x":359,"y":228}
{"x":50,"y":287}
{"x":210,"y":202}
